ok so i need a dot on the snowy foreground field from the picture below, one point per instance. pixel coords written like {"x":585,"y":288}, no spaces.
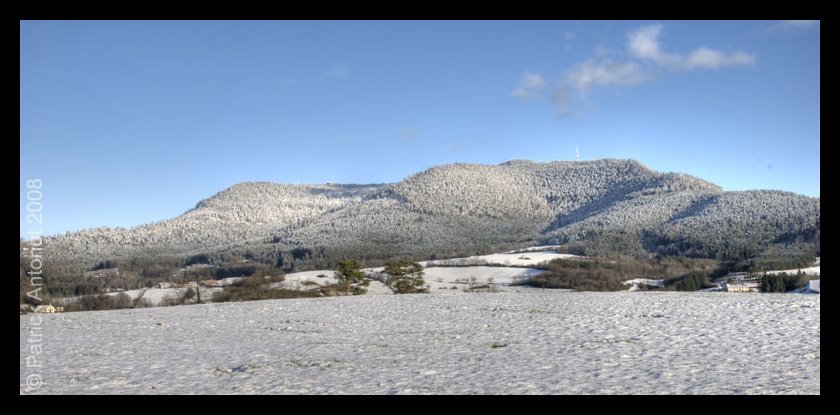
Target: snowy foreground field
{"x":524,"y":342}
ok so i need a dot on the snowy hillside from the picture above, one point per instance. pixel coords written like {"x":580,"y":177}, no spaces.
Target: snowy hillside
{"x":466,"y":209}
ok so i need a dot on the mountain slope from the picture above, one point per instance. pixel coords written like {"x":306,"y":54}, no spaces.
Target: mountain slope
{"x":467,"y":208}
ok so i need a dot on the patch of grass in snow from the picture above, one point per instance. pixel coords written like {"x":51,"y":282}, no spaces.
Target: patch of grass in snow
{"x":307,"y":363}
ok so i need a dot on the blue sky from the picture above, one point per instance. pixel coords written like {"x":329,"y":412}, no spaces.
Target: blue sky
{"x":132,"y":122}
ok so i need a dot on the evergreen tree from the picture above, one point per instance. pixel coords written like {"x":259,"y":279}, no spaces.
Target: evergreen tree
{"x":404,"y":277}
{"x":351,"y":277}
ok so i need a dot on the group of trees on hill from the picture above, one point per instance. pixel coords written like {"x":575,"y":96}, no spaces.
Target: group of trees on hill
{"x":610,"y":273}
{"x":400,"y":276}
{"x":782,"y":282}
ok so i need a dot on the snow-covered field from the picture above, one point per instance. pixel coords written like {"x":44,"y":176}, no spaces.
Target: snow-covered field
{"x":518,"y":259}
{"x":447,"y":277}
{"x":526,"y":342}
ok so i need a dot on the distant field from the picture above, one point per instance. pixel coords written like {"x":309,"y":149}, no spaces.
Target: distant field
{"x":519,"y":259}
{"x":527,"y":342}
{"x":815,"y":270}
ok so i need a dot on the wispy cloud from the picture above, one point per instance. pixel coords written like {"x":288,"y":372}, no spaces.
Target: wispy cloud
{"x":710,"y":58}
{"x":408,"y":134}
{"x":530,"y":85}
{"x":562,"y":103}
{"x":459,"y":149}
{"x":644,"y":44}
{"x":568,"y":38}
{"x":593,"y":73}
{"x":336,"y":72}
{"x":797,"y":24}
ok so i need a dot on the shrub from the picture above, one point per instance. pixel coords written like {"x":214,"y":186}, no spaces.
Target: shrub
{"x":691,"y":281}
{"x":404,"y":277}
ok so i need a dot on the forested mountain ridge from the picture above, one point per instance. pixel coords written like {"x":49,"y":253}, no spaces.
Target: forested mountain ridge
{"x":603,"y":206}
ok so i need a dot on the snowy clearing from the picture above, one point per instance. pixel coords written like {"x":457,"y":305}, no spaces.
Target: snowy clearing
{"x":437,"y":278}
{"x":536,"y":248}
{"x":807,"y":271}
{"x":521,"y":259}
{"x":155,"y":296}
{"x":306,"y":279}
{"x":647,"y":282}
{"x":446,"y":277}
{"x":298,"y":280}
{"x":530,"y":342}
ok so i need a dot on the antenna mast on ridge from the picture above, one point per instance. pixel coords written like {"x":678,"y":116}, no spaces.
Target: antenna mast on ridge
{"x":577,"y":153}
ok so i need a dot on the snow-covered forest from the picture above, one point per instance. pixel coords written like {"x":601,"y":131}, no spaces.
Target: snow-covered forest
{"x":603,"y":206}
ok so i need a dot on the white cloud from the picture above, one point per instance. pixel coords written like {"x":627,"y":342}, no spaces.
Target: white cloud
{"x":336,"y":72}
{"x":797,"y":24}
{"x":645,"y":58}
{"x":604,"y":73}
{"x":644,"y":44}
{"x":530,"y":85}
{"x":710,"y":58}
